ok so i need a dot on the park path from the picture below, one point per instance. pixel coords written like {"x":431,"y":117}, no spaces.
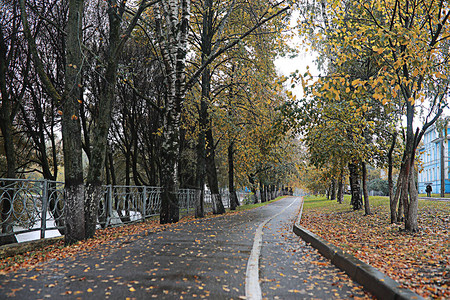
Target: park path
{"x":200,"y":259}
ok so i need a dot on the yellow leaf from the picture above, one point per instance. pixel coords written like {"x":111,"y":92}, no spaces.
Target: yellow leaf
{"x":132,"y":289}
{"x":377,"y":50}
{"x":355,"y":82}
{"x":89,"y":290}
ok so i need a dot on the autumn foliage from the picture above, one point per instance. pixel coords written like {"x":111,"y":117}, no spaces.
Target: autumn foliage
{"x":418,"y":261}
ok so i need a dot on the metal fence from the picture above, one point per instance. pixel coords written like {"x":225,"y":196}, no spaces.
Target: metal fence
{"x":36,"y":207}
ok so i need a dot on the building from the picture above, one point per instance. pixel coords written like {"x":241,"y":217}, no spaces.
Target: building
{"x":430,"y":160}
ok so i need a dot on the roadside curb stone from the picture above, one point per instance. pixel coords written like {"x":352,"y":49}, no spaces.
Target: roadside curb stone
{"x":374,"y":281}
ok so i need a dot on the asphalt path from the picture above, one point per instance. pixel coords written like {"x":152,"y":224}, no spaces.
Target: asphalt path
{"x":205,"y":258}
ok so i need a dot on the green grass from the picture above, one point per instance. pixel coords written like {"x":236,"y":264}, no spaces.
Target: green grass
{"x":435,"y":195}
{"x":250,"y":206}
{"x":321,"y":202}
{"x":312,"y":202}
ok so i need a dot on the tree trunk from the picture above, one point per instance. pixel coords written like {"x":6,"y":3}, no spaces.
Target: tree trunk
{"x":172,"y":33}
{"x":169,"y":160}
{"x":6,"y":127}
{"x":262,"y":192}
{"x":186,"y":164}
{"x":205,"y":120}
{"x":255,"y":194}
{"x":102,"y":125}
{"x":393,"y":198}
{"x":234,"y":202}
{"x":201,"y":165}
{"x":408,"y":182}
{"x":340,"y":188}
{"x":411,"y":214}
{"x":400,"y":209}
{"x":71,"y":129}
{"x":333,"y":189}
{"x":211,"y":172}
{"x":356,"y":201}
{"x":365,"y":192}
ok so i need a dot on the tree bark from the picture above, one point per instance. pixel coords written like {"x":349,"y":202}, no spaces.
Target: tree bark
{"x":71,"y":129}
{"x":201,"y":165}
{"x":262,"y":192}
{"x":393,"y":197}
{"x":6,"y":112}
{"x":169,"y":177}
{"x":6,"y":127}
{"x":356,"y":200}
{"x":406,"y":173}
{"x":172,"y":32}
{"x":101,"y":128}
{"x":411,"y":214}
{"x":340,"y":187}
{"x":333,"y":189}
{"x":211,"y":172}
{"x":234,"y":202}
{"x":365,"y":192}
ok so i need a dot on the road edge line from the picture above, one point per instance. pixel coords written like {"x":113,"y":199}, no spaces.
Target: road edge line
{"x":252,"y":287}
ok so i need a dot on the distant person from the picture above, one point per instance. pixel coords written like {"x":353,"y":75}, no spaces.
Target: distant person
{"x":429,"y":189}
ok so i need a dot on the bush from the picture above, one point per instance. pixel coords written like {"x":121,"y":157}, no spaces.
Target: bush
{"x":379,"y":185}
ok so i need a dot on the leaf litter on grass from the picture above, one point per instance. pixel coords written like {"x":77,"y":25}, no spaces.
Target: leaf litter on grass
{"x":418,"y":261}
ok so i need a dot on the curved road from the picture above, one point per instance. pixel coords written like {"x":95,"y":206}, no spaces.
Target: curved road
{"x":201,"y":259}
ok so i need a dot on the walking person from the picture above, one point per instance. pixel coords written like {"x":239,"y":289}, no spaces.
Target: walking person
{"x":428,"y":190}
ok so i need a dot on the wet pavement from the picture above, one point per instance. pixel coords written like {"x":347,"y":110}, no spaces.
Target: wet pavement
{"x":200,"y":259}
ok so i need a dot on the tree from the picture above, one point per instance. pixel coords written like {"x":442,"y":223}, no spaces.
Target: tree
{"x":118,"y":35}
{"x":71,"y":130}
{"x":409,"y":40}
{"x":171,"y":23}
{"x":213,"y":26}
{"x":11,"y":95}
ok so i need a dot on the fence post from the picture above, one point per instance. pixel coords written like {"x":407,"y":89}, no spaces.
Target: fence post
{"x":44,"y":207}
{"x":144,"y":203}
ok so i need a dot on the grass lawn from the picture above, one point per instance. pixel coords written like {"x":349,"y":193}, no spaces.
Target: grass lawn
{"x":435,"y":195}
{"x":418,"y":261}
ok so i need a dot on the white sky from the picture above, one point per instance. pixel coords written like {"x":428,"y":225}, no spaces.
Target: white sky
{"x":286,"y":66}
